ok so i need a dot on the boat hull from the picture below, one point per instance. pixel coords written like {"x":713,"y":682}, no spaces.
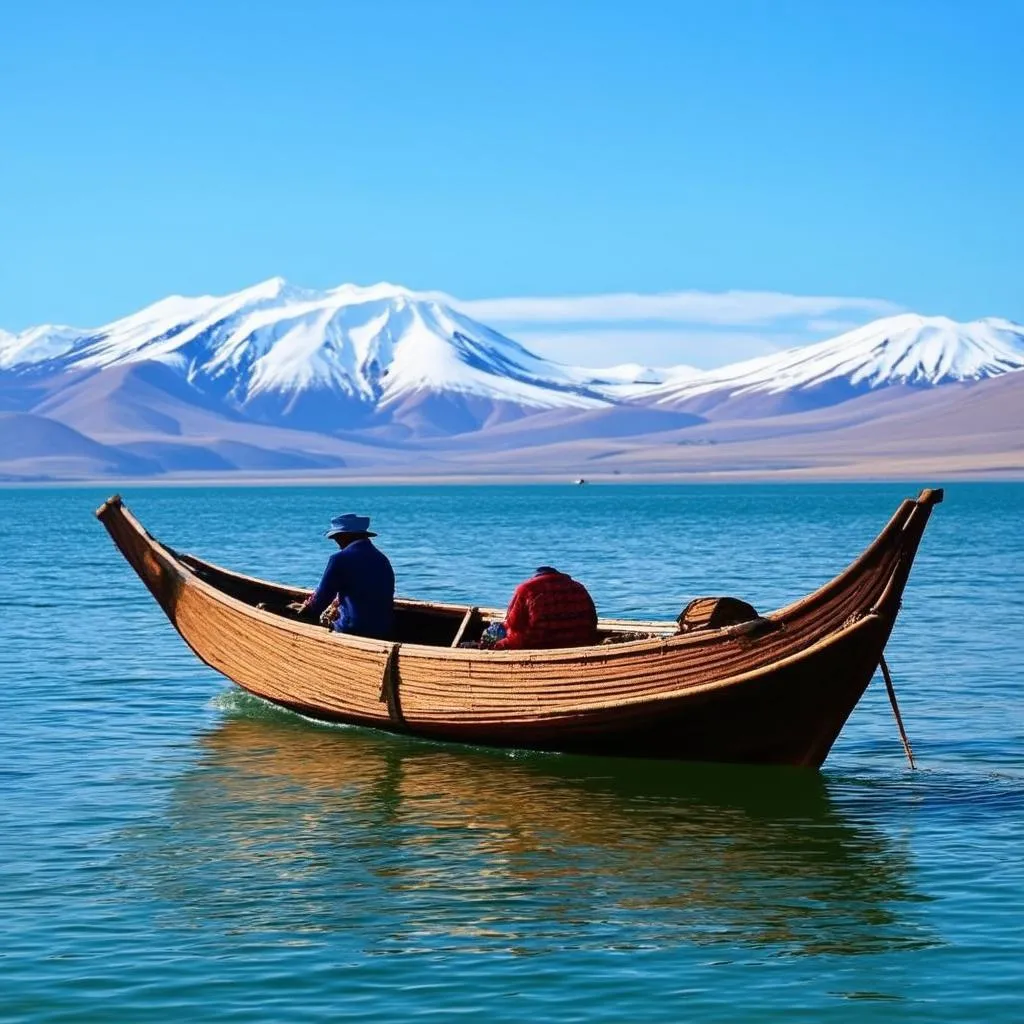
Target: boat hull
{"x":785,"y":717}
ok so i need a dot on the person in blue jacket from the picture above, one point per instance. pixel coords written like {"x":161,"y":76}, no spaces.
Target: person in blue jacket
{"x":357,"y":591}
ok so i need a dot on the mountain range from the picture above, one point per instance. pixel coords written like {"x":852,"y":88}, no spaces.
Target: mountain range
{"x":383,"y":380}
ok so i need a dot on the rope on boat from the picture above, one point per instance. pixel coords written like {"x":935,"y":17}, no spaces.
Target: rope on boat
{"x":389,"y":688}
{"x":896,"y":712}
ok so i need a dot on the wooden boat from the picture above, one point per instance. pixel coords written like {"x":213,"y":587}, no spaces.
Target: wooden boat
{"x":778,"y":690}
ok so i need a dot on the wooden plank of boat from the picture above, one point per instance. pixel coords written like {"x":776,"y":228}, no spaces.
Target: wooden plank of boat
{"x":778,"y":695}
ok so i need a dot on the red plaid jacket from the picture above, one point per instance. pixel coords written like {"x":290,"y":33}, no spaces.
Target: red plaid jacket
{"x":549,"y":610}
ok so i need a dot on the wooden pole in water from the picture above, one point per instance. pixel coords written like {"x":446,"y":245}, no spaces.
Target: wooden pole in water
{"x":896,"y":712}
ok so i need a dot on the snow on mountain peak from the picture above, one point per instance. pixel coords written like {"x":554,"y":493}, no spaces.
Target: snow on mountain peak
{"x":36,"y":345}
{"x":353,"y":293}
{"x":904,"y":349}
{"x":915,"y":349}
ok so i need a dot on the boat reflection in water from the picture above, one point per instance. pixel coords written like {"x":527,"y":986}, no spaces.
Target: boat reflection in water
{"x":405,"y":845}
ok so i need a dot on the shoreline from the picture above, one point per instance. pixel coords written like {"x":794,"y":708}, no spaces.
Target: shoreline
{"x":810,"y":475}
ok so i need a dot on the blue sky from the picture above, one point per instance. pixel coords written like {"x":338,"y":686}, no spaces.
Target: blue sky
{"x":867,"y":153}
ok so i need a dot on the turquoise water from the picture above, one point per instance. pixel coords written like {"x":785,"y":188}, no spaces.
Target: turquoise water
{"x":172,"y":849}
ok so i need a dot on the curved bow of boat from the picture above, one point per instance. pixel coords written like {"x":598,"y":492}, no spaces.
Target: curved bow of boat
{"x":154,"y":564}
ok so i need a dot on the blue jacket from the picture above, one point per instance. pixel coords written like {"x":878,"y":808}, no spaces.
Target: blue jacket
{"x":363,"y":580}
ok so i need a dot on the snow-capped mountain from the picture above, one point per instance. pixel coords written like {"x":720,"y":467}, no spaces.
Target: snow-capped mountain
{"x":257,"y":378}
{"x":907,"y":349}
{"x":323,"y":360}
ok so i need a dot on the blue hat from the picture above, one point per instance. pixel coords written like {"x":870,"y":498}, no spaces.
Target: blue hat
{"x":349,"y":523}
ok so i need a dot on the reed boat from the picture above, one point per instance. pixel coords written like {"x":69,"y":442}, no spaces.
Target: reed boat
{"x":776,"y":690}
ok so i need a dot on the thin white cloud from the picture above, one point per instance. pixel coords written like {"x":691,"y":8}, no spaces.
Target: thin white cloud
{"x":733,"y":308}
{"x":696,"y":328}
{"x":655,"y":347}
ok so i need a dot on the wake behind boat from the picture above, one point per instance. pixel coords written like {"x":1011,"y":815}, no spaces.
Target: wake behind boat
{"x":776,"y":689}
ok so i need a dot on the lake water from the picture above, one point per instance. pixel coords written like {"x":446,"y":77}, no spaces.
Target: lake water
{"x":172,"y":849}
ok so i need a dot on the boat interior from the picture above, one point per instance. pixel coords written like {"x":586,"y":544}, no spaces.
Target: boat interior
{"x":416,"y":622}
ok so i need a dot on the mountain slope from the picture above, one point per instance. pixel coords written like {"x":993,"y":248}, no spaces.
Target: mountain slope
{"x":972,"y":428}
{"x":130,"y":399}
{"x":906,"y":350}
{"x":38,"y":447}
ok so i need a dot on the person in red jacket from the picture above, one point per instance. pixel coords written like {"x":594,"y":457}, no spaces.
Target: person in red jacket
{"x":549,"y":610}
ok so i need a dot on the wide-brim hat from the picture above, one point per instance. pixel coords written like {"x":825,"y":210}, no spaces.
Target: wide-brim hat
{"x":349,"y":523}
